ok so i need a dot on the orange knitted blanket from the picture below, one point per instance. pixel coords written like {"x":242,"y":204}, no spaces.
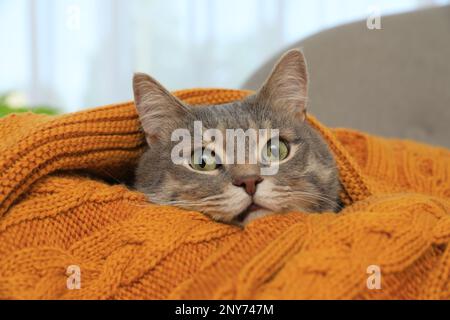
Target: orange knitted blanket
{"x":60,"y":207}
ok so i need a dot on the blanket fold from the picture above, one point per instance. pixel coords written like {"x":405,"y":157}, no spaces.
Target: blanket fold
{"x":61,"y":207}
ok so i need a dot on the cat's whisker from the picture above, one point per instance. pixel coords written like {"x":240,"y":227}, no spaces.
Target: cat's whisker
{"x":323,"y":198}
{"x":308,"y":197}
{"x":317,"y":197}
{"x":305,"y":200}
{"x":215,"y":197}
{"x":200,"y":204}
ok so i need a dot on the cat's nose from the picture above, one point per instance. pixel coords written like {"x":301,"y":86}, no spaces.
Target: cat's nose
{"x":248,"y":183}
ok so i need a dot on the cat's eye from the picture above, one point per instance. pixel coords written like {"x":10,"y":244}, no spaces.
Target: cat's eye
{"x":204,"y":161}
{"x":276,"y":151}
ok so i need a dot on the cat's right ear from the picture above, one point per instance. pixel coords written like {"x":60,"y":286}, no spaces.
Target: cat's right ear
{"x":286,"y":89}
{"x":159,"y":111}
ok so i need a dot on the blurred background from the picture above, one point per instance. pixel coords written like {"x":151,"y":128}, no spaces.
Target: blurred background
{"x":67,"y":55}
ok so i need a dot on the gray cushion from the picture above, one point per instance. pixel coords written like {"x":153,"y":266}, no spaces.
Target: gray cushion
{"x":393,"y":82}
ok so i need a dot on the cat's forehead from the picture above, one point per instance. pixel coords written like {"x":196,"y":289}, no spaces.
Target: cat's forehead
{"x":246,"y":115}
{"x":235,"y":115}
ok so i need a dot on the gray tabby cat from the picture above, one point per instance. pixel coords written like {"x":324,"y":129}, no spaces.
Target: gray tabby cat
{"x":307,"y":178}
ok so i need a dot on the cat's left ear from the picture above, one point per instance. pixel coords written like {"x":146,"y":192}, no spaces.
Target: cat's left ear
{"x":286,"y":89}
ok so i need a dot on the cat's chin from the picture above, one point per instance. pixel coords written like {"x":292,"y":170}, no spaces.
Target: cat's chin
{"x":253,"y":212}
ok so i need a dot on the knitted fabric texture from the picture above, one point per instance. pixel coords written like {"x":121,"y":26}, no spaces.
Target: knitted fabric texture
{"x":61,"y":206}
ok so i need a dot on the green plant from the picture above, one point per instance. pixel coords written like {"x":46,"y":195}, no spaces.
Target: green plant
{"x":8,"y":105}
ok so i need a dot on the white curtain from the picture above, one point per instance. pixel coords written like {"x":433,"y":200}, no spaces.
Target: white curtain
{"x":75,"y":54}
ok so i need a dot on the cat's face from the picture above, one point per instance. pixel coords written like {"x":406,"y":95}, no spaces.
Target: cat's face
{"x":305,"y":178}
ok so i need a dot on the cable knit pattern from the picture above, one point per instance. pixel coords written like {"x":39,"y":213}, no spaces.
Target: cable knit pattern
{"x":61,"y":205}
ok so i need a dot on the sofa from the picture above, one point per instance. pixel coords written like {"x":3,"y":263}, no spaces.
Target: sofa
{"x":393,"y":82}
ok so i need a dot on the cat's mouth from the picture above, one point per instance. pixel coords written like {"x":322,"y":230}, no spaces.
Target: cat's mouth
{"x":251,"y":208}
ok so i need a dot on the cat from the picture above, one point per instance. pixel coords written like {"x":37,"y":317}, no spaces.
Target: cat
{"x":307,"y":179}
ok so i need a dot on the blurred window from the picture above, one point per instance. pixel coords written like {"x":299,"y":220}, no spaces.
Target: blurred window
{"x":80,"y":53}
